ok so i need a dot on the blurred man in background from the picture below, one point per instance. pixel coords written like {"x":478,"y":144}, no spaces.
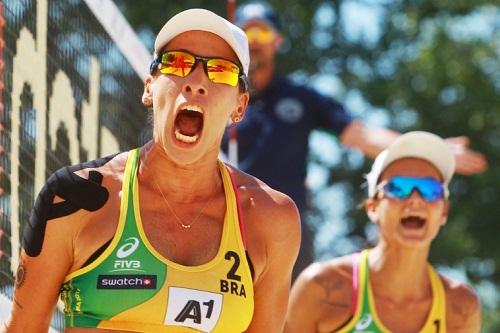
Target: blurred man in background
{"x":273,"y":138}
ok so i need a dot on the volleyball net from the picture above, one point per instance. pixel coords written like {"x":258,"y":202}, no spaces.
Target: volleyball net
{"x":71,"y":78}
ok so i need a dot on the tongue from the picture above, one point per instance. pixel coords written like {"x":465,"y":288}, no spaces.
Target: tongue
{"x":189,"y":122}
{"x":412,"y":222}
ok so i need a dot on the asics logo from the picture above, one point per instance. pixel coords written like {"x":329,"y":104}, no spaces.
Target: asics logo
{"x":128,"y":248}
{"x":364,"y":321}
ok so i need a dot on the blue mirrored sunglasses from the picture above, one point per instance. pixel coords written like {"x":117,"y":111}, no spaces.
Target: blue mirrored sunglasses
{"x":401,"y":188}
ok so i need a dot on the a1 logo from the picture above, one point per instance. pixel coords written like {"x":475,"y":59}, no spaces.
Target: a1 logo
{"x":193,"y":308}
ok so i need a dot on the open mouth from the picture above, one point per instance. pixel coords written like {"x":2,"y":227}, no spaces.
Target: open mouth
{"x":413,"y":222}
{"x":189,"y":124}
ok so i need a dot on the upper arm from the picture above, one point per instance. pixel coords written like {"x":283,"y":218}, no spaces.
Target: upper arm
{"x":370,"y":140}
{"x":303,"y":312}
{"x":330,"y":114}
{"x":279,"y":231}
{"x":47,"y":256}
{"x":463,"y":310}
{"x":39,"y":279}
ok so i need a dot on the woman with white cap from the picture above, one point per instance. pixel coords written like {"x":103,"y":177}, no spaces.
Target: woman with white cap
{"x":166,"y":237}
{"x":392,"y":287}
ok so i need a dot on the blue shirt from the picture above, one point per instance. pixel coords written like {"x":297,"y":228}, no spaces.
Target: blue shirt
{"x":273,"y":135}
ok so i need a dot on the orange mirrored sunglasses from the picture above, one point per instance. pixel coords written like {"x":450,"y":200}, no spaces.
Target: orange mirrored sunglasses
{"x":181,"y":63}
{"x":258,"y":34}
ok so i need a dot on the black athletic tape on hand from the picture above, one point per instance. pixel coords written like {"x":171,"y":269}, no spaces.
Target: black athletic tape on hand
{"x":77,"y":193}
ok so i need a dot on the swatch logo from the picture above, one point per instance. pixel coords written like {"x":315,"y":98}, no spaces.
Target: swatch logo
{"x":126,"y":282}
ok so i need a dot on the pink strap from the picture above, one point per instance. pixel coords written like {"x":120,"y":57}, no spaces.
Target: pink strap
{"x":355,"y":281}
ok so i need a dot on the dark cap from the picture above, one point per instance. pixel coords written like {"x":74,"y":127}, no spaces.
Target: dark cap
{"x":257,"y":10}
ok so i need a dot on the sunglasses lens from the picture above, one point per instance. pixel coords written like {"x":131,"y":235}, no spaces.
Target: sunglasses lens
{"x":259,"y":35}
{"x":431,"y":189}
{"x":397,"y":189}
{"x":177,"y":63}
{"x":181,"y":63}
{"x":402,"y":187}
{"x":223,"y":71}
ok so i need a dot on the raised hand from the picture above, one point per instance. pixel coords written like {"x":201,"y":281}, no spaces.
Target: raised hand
{"x":468,"y":162}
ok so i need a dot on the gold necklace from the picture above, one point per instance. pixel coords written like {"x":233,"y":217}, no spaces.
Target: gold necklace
{"x":182,"y":224}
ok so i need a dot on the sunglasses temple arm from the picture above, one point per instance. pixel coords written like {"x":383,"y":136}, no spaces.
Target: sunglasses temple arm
{"x":154,"y":65}
{"x":244,"y":80}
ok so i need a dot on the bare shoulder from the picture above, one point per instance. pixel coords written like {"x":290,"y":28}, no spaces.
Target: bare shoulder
{"x":463,"y":308}
{"x":71,"y":219}
{"x":272,"y":210}
{"x":272,"y":227}
{"x":272,"y":224}
{"x":328,"y":274}
{"x":70,"y":192}
{"x":252,"y":187}
{"x":462,"y":296}
{"x":333,"y":278}
{"x":322,"y":295}
{"x":109,"y":167}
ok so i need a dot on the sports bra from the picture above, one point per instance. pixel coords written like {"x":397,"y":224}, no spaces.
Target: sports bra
{"x":132,"y":287}
{"x":366,"y":319}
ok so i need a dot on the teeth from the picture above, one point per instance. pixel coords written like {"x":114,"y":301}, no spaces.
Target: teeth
{"x":419,"y":216}
{"x":195,"y":108}
{"x":184,"y":138}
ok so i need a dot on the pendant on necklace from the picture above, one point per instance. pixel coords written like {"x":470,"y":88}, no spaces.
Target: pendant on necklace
{"x":186,"y":226}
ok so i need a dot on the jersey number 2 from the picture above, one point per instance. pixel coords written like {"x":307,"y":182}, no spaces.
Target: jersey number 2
{"x":231,"y":275}
{"x":437,"y":323}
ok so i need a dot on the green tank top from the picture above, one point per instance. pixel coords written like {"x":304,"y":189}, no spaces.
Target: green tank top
{"x":366,"y":319}
{"x":132,"y":287}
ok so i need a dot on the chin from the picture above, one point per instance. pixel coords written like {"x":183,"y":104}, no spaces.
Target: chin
{"x":180,"y":155}
{"x":413,"y":242}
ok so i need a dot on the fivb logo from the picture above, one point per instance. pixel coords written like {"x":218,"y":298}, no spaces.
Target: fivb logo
{"x":124,"y":251}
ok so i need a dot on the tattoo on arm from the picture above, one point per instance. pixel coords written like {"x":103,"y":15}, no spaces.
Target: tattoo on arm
{"x":462,"y":311}
{"x":18,"y":304}
{"x":20,"y":275}
{"x":20,"y":278}
{"x":329,"y":285}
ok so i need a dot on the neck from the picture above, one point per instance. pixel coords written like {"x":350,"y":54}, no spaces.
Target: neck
{"x":181,"y":183}
{"x":261,"y":76}
{"x":399,"y":273}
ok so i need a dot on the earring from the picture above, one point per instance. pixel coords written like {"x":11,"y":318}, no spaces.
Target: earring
{"x":147,"y":101}
{"x":236,"y":119}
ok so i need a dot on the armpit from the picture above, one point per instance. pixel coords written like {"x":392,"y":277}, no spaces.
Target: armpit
{"x":77,"y":193}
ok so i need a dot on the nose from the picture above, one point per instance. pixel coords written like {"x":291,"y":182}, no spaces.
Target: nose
{"x":254,"y":46}
{"x":416,"y":197}
{"x":196,"y":81}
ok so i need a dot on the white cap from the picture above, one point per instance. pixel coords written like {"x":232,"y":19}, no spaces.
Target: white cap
{"x":205,"y":20}
{"x":418,"y":144}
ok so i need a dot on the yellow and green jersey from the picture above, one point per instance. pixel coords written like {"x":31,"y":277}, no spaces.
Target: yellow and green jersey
{"x":132,"y":287}
{"x":366,"y":319}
